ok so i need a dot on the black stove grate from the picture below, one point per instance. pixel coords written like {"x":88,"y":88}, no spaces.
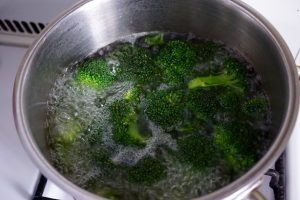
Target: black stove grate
{"x":277,"y":182}
{"x":278,"y":176}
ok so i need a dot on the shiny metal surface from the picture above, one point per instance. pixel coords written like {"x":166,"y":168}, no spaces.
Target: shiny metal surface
{"x":92,"y":24}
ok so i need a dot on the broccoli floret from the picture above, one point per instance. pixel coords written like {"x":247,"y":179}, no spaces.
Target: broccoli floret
{"x":198,"y":151}
{"x":233,"y":76}
{"x":238,"y":142}
{"x":191,"y":124}
{"x":176,"y":59}
{"x":125,"y":124}
{"x":66,"y":132}
{"x":206,"y":50}
{"x":92,"y":136}
{"x":165,"y":107}
{"x":147,"y":171}
{"x":135,"y":64}
{"x":157,"y":39}
{"x":63,"y":142}
{"x":133,"y":95}
{"x":256,"y":107}
{"x":234,"y":67}
{"x":101,"y":157}
{"x":94,"y":73}
{"x":230,"y":99}
{"x":203,"y":102}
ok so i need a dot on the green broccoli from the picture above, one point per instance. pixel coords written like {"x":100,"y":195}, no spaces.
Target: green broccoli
{"x":233,"y":76}
{"x":238,"y":70}
{"x":135,"y":64}
{"x":213,"y":80}
{"x":147,"y":171}
{"x":125,"y":124}
{"x":198,"y":151}
{"x":92,"y":135}
{"x":238,"y":142}
{"x":206,"y":50}
{"x":191,"y":124}
{"x":133,"y":95}
{"x":157,"y":39}
{"x":203,"y":102}
{"x":94,"y":73}
{"x":66,"y":132}
{"x":230,"y":100}
{"x":165,"y":107}
{"x":108,"y":192}
{"x":176,"y":59}
{"x":256,"y":107}
{"x":64,"y":142}
{"x":101,"y":157}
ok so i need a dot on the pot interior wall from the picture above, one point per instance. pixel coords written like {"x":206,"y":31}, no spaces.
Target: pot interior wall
{"x":99,"y":23}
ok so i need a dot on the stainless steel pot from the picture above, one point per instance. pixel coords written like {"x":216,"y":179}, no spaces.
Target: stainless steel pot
{"x":92,"y":24}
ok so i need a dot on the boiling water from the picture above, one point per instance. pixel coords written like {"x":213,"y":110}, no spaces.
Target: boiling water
{"x":80,"y":129}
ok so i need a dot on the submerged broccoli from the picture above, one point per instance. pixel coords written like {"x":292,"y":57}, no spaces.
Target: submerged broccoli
{"x":135,"y":64}
{"x":125,"y":124}
{"x":256,"y":107}
{"x":147,"y":171}
{"x":197,"y":150}
{"x":176,"y":59}
{"x":213,"y":80}
{"x":230,"y":100}
{"x":68,"y":132}
{"x":157,"y":39}
{"x":238,"y":142}
{"x":94,"y":73}
{"x":206,"y":50}
{"x":101,"y":157}
{"x":238,"y":70}
{"x":233,"y":76}
{"x":133,"y":95}
{"x":203,"y":102}
{"x":165,"y":107}
{"x":63,"y":142}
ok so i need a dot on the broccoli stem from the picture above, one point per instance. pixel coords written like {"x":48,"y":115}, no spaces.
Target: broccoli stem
{"x":155,"y":40}
{"x":209,"y":81}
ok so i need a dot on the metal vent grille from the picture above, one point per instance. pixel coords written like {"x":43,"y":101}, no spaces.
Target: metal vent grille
{"x":19,"y":33}
{"x":20,"y":27}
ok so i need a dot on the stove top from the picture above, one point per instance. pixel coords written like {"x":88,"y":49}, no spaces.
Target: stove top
{"x":19,"y":178}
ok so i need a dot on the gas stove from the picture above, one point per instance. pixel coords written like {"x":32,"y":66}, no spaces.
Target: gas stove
{"x":19,"y":177}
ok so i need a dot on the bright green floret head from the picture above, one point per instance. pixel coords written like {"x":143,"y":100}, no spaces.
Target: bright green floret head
{"x":165,"y":107}
{"x":125,"y":124}
{"x":94,"y":73}
{"x":176,"y":59}
{"x":135,"y":64}
{"x":147,"y":171}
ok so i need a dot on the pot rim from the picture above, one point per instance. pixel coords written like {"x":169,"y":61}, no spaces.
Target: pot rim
{"x":232,"y":190}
